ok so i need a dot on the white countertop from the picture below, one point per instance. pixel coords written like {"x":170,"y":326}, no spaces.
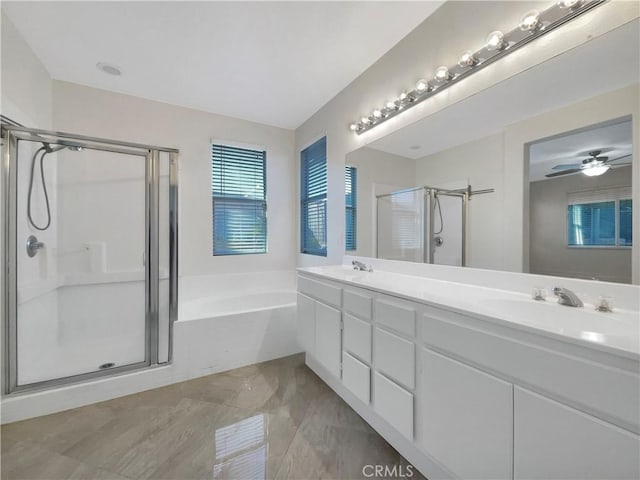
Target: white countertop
{"x":616,"y":332}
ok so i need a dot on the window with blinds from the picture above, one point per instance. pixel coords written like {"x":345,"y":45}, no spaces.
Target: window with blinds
{"x":313,"y":201}
{"x":238,"y":187}
{"x":600,"y":218}
{"x":350,"y":201}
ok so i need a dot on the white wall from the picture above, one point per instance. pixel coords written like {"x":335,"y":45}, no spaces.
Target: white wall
{"x":549,"y":253}
{"x":424,"y":49}
{"x":99,"y":113}
{"x":377,"y":172}
{"x":26,"y":98}
{"x":26,"y":84}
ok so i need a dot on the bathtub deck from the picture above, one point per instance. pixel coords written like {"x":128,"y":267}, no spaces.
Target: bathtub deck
{"x":271,"y":420}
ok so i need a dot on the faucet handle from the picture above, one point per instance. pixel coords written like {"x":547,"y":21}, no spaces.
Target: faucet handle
{"x":605,"y":304}
{"x":539,"y":293}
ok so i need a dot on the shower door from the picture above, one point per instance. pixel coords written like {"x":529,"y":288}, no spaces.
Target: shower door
{"x":400,"y":225}
{"x":86,"y":260}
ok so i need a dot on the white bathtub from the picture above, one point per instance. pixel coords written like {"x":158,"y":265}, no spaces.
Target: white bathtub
{"x":212,"y":307}
{"x":229,"y":321}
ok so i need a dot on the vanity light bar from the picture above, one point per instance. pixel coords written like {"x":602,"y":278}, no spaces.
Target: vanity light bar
{"x":533,"y":25}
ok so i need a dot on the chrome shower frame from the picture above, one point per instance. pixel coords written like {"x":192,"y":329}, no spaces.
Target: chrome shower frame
{"x":11,"y":134}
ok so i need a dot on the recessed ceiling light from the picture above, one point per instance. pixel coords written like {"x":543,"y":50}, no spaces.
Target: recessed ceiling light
{"x":109,"y":68}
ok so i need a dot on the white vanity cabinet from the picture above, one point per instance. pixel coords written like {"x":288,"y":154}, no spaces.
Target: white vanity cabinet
{"x":467,"y":421}
{"x":556,"y":441}
{"x":463,"y":396}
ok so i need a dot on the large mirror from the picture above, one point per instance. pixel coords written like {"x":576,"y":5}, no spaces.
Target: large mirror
{"x":533,"y":174}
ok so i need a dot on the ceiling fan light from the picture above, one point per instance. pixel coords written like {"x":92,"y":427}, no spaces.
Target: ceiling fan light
{"x":595,"y":171}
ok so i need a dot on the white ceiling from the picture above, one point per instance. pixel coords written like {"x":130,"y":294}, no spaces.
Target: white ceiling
{"x":275,"y":63}
{"x":604,"y":64}
{"x":613,"y":140}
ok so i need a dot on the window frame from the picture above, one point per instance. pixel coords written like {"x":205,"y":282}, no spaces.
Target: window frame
{"x":610,"y":194}
{"x":306,"y":200}
{"x":221,"y":198}
{"x":353,"y":176}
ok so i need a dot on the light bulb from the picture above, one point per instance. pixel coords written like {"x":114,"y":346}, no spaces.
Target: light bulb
{"x":391,"y":105}
{"x":442,"y":74}
{"x":595,"y":171}
{"x":422,"y":85}
{"x":495,"y":41}
{"x":377,"y":113}
{"x":467,"y":59}
{"x":365,"y":120}
{"x":571,"y":4}
{"x":353,"y":127}
{"x":403,"y":96}
{"x":530,"y":22}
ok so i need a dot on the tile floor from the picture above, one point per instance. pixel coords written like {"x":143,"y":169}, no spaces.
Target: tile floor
{"x":272,"y":420}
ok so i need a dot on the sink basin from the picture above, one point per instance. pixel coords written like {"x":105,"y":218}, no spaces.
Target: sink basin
{"x":618,"y":328}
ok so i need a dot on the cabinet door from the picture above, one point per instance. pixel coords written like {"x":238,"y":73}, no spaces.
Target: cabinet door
{"x":395,"y":357}
{"x":306,"y":323}
{"x":394,"y":404}
{"x":357,"y":337}
{"x":467,"y":418}
{"x":556,"y":441}
{"x":356,"y":376}
{"x":328,"y":338}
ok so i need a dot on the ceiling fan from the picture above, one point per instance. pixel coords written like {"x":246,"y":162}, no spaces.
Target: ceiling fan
{"x":593,"y":166}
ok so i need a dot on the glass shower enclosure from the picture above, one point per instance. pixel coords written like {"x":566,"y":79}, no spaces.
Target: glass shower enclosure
{"x":90,"y":254}
{"x":422,"y":224}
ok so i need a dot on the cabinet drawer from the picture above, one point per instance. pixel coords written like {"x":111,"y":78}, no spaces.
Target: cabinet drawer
{"x":555,"y":441}
{"x":399,"y":317}
{"x":356,"y":337}
{"x":357,"y":303}
{"x":328,"y":348}
{"x":394,"y":404}
{"x":306,"y":323}
{"x":324,"y":292}
{"x":395,"y":357}
{"x":356,"y":376}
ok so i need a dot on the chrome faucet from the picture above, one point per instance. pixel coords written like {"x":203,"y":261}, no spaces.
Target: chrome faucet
{"x":567,"y":297}
{"x":361,"y":266}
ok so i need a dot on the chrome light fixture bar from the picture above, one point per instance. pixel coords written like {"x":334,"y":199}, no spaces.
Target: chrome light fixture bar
{"x":533,"y":25}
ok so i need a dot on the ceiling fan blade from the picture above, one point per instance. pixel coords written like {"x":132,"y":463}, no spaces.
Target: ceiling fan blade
{"x":620,"y":165}
{"x":616,"y":159}
{"x":565,"y":166}
{"x":563,"y":172}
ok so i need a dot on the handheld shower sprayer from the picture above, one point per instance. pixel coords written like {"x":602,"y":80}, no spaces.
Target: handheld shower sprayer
{"x":42,"y":152}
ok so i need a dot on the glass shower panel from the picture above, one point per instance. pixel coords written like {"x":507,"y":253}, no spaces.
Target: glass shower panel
{"x":81,"y":298}
{"x":400,"y":226}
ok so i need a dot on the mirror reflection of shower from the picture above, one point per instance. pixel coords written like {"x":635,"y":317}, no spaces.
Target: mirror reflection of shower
{"x":422,"y":224}
{"x":38,"y":157}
